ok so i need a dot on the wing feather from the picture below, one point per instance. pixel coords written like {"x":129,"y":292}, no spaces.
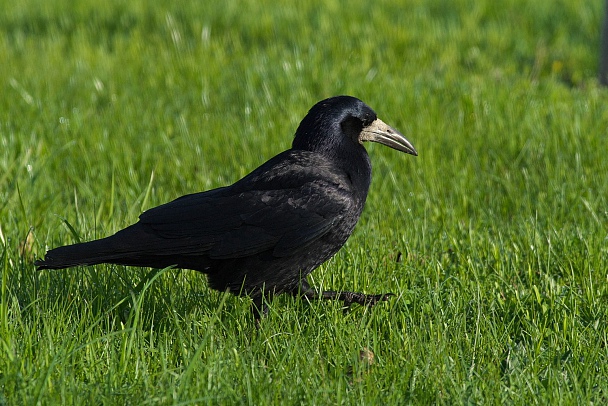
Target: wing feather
{"x":233,"y":222}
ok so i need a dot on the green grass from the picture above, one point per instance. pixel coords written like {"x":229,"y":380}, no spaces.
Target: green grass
{"x":495,"y":239}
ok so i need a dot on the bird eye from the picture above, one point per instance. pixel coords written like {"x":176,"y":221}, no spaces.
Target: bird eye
{"x":352,"y":126}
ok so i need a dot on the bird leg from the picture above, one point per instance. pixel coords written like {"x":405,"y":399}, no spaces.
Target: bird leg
{"x":259,"y":304}
{"x":305,"y":290}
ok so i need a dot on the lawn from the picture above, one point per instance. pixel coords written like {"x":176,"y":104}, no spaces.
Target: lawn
{"x":494,"y":239}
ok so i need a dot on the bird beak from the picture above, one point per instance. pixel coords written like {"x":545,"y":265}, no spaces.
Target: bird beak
{"x":379,"y":131}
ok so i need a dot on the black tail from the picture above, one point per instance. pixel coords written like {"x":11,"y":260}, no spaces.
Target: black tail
{"x":88,"y":253}
{"x":116,"y":249}
{"x":133,"y":246}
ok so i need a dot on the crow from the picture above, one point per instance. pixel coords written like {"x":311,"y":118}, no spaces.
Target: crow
{"x":262,"y":235}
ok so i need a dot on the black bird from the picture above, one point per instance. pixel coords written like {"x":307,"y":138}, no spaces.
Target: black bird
{"x":265,"y":233}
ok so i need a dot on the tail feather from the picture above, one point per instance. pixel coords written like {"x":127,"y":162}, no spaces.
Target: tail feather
{"x":133,"y":246}
{"x":116,"y":249}
{"x":88,"y":253}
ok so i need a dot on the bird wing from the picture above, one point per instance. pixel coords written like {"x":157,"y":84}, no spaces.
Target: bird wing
{"x":282,"y":210}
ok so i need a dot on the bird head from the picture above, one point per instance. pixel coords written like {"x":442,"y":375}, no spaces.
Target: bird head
{"x":334,"y":121}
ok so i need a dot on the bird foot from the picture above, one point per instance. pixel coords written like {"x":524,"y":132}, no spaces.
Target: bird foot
{"x":348,"y":298}
{"x":364,"y":300}
{"x":259,"y":305}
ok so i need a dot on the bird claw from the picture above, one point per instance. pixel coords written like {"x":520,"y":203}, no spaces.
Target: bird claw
{"x":348,"y":298}
{"x":373,"y":299}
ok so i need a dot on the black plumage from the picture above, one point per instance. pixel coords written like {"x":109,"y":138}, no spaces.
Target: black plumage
{"x":265,"y":233}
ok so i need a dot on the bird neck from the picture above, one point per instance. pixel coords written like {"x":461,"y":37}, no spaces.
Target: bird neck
{"x":355,"y":162}
{"x":348,"y":156}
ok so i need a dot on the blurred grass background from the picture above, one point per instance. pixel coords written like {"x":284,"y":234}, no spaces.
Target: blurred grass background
{"x":494,"y":238}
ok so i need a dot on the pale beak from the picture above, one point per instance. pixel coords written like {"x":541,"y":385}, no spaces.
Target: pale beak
{"x":379,"y":131}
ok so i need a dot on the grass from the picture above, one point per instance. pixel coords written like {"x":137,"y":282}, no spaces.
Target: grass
{"x":495,"y":239}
